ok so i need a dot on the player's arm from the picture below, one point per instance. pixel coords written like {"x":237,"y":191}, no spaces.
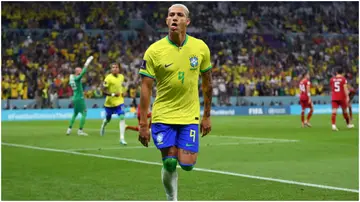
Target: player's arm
{"x":206,"y":75}
{"x":308,"y":86}
{"x":88,"y":61}
{"x":147,"y":79}
{"x":105,"y":88}
{"x":207,"y":92}
{"x":145,"y":96}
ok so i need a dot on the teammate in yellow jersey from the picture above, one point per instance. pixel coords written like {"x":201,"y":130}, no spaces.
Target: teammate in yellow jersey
{"x":176,"y":62}
{"x":114,"y":103}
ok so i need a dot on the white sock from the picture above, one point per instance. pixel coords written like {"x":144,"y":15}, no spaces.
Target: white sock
{"x":104,"y":123}
{"x":122,"y":129}
{"x":170,"y":182}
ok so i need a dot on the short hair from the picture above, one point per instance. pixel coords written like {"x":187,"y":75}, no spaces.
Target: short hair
{"x":339,"y":70}
{"x":304,"y":74}
{"x":114,"y":63}
{"x":187,"y":12}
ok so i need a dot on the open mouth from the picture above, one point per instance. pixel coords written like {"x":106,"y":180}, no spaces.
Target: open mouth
{"x":174,"y":26}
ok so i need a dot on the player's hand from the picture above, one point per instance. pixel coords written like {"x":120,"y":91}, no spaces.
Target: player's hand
{"x":117,"y":94}
{"x":205,"y":126}
{"x":144,"y":135}
{"x":88,"y":61}
{"x":347,"y":99}
{"x":310,"y":101}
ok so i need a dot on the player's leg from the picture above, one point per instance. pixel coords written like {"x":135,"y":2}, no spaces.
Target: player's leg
{"x":350,"y":113}
{"x":311,"y":106}
{"x":303,"y":107}
{"x":108,"y":114}
{"x":73,"y":118}
{"x":164,"y":139}
{"x":188,"y":146}
{"x":344,"y":108}
{"x":122,"y":126}
{"x":83,"y":112}
{"x":134,"y":128}
{"x":335,"y":106}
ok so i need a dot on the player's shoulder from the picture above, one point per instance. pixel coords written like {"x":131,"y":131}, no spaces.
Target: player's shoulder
{"x":109,"y":77}
{"x":157,"y":45}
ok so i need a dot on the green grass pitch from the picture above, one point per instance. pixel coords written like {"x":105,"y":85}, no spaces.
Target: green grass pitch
{"x":244,"y":158}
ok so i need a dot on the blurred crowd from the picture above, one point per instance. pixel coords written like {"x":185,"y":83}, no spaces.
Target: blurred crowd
{"x":258,"y":49}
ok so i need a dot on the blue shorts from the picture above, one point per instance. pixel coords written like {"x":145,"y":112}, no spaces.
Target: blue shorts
{"x":182,"y":136}
{"x":119,"y":110}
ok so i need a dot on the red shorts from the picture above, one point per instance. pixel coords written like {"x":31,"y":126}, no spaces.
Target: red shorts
{"x":305,"y":104}
{"x":339,"y":103}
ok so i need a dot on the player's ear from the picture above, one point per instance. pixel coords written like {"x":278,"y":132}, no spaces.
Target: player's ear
{"x":187,"y":21}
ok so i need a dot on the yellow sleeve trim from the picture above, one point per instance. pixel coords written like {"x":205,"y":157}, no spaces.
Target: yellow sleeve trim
{"x":205,"y":70}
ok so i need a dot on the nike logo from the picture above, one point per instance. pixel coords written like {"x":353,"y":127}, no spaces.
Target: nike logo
{"x":168,"y":65}
{"x":189,"y":145}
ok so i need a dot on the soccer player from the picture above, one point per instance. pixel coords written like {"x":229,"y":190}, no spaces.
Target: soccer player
{"x":339,"y":97}
{"x":305,"y":99}
{"x":78,"y":97}
{"x":136,"y":128}
{"x":114,"y":102}
{"x":175,"y":62}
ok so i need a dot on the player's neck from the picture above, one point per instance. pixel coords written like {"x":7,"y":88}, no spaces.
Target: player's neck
{"x":115,"y":75}
{"x":177,"y":38}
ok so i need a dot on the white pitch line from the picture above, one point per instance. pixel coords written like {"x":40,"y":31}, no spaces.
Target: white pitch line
{"x":197,"y":169}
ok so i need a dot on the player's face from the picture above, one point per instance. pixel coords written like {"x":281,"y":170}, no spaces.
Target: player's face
{"x":177,"y":21}
{"x":78,"y":70}
{"x":115,"y":69}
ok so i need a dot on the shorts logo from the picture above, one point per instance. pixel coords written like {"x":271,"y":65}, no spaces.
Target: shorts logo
{"x":194,"y":61}
{"x":143,"y":65}
{"x":159,"y":138}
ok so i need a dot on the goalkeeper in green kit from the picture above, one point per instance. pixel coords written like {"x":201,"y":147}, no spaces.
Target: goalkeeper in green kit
{"x":78,"y":97}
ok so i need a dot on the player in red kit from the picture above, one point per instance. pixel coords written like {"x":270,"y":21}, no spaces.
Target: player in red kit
{"x":339,"y":98}
{"x":305,"y":99}
{"x":136,"y":128}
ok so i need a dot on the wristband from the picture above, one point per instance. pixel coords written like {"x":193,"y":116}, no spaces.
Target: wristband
{"x":309,"y":94}
{"x":112,"y":94}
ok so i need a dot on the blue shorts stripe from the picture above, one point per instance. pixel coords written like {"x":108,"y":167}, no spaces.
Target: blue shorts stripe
{"x":184,"y":164}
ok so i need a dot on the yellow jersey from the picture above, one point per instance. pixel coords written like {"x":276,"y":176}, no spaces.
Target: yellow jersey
{"x":176,"y":71}
{"x":114,"y":85}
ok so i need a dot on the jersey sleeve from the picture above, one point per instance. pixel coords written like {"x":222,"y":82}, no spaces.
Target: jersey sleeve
{"x":147,"y":67}
{"x":81,"y":74}
{"x":106,"y":82}
{"x":206,"y":62}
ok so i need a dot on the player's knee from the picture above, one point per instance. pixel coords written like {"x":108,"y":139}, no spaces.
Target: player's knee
{"x":108,"y":118}
{"x":170,"y":163}
{"x":187,"y":167}
{"x":122,"y":117}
